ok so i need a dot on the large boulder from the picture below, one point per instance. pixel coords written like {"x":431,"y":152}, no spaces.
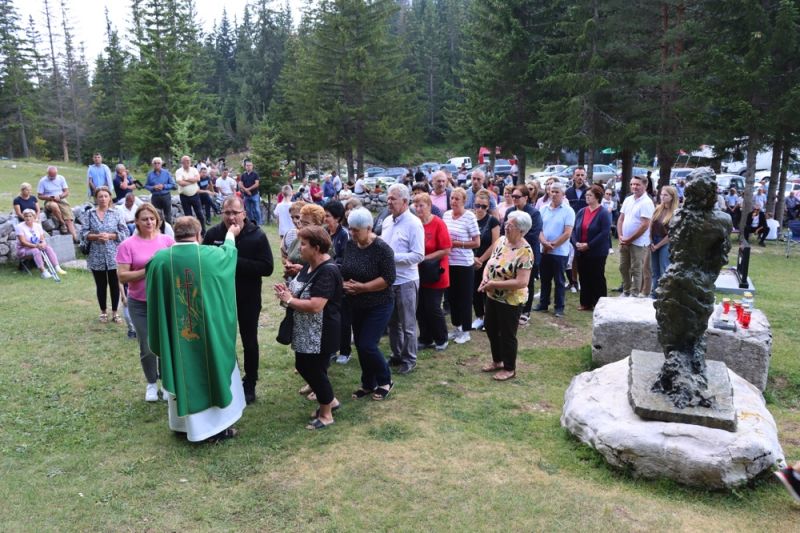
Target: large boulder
{"x":620,"y":325}
{"x":597,"y":411}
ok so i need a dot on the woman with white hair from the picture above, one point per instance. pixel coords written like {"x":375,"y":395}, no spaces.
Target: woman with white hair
{"x":32,"y":242}
{"x":368,"y":271}
{"x":505,"y":282}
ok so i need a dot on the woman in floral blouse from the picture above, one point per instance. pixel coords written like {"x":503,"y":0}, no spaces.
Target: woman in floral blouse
{"x":505,"y":282}
{"x":104,"y":229}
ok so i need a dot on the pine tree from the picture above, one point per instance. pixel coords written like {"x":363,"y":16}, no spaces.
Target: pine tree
{"x":16,"y":102}
{"x":77,"y":81}
{"x":56,"y":86}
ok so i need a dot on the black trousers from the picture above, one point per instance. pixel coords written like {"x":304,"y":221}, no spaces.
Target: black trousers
{"x":762,"y":236}
{"x":313,"y":368}
{"x":501,"y":323}
{"x":460,"y":296}
{"x":592,"y":271}
{"x":103,"y":279}
{"x":189,"y":203}
{"x":247,"y":311}
{"x":430,"y":316}
{"x":345,"y":348}
{"x":478,"y":298}
{"x":531,"y":282}
{"x":163,"y":202}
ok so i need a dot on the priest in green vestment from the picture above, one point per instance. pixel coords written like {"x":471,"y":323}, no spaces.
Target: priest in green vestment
{"x":191,"y":317}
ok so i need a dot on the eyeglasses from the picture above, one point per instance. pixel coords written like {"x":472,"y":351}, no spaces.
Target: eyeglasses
{"x":517,"y":196}
{"x":232,"y":213}
{"x":481,"y":206}
{"x":296,"y":217}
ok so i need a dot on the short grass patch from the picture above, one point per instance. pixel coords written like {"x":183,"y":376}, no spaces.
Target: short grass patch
{"x":449,"y":450}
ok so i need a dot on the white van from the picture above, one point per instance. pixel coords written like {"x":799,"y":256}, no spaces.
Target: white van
{"x":458,"y":161}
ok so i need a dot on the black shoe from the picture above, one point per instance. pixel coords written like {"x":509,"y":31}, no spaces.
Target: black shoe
{"x":407,"y":368}
{"x":249,"y":392}
{"x":762,"y":244}
{"x":559,"y":313}
{"x":395,"y":362}
{"x":618,"y":289}
{"x":540,"y":309}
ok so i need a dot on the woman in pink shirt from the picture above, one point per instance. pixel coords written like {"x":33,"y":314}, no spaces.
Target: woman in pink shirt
{"x":132,"y":257}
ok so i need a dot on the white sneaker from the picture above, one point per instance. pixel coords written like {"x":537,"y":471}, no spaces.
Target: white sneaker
{"x":462,"y":337}
{"x":441,"y":347}
{"x":151,"y":393}
{"x":572,"y":289}
{"x":164,"y":394}
{"x":611,"y":251}
{"x":343,"y":359}
{"x":46,"y":275}
{"x":477,"y":323}
{"x":455,"y":333}
{"x":60,"y":271}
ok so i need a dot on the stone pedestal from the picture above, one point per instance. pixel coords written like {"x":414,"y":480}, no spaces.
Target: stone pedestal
{"x":63,"y":247}
{"x":596,"y":411}
{"x":643,"y":373}
{"x":621,"y":325}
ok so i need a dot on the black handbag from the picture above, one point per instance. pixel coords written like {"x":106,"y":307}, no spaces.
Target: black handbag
{"x":430,"y":271}
{"x":286,"y":327}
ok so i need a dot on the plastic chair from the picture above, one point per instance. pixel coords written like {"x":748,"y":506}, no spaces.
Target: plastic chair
{"x":792,"y":236}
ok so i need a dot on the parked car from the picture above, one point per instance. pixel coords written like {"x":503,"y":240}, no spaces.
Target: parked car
{"x":791,"y":188}
{"x":484,"y":167}
{"x":548,"y":170}
{"x":502,"y":167}
{"x":728,"y":181}
{"x":458,"y":161}
{"x":679,"y":174}
{"x":430,"y":166}
{"x":395,"y":172}
{"x":452,"y":169}
{"x":602,"y":173}
{"x":374,"y":171}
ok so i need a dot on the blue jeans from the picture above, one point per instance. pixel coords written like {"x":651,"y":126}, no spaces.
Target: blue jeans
{"x":552,"y":271}
{"x":369,"y":323}
{"x":659,"y":261}
{"x":252,"y":204}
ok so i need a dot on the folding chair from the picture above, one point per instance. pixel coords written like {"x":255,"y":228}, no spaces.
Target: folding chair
{"x":792,"y":236}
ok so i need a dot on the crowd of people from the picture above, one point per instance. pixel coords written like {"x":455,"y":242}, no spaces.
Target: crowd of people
{"x":440,"y":262}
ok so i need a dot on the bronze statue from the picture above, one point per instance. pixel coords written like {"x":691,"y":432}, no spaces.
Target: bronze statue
{"x":699,"y":246}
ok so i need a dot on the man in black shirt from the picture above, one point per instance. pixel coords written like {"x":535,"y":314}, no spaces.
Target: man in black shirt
{"x":253,"y":263}
{"x":576,"y":193}
{"x":249,"y":189}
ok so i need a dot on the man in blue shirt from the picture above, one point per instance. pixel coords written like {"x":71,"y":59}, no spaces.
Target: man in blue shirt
{"x":160,"y":183}
{"x":249,"y":189}
{"x":558,"y":218}
{"x":328,"y":190}
{"x":98,"y":175}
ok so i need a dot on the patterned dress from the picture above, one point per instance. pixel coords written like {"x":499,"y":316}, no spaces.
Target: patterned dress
{"x":504,"y":263}
{"x":103,"y":255}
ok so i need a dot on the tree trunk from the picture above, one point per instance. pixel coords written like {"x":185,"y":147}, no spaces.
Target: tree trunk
{"x":774,"y":173}
{"x":590,"y":164}
{"x":522,"y":160}
{"x":780,"y":202}
{"x":627,"y":165}
{"x":750,"y":178}
{"x":582,"y":156}
{"x":351,"y":171}
{"x":57,"y":85}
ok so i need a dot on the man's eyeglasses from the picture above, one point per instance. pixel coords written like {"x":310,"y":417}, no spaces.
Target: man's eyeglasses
{"x":232,"y":213}
{"x":481,"y":206}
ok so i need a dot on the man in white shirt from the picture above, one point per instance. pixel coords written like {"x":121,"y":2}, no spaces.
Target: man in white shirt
{"x":53,"y":191}
{"x":634,"y":235}
{"x":187,"y":177}
{"x":225,"y":184}
{"x":127,"y":211}
{"x":404,"y":233}
{"x":440,"y":196}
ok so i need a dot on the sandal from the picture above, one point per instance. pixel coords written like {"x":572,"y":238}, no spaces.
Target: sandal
{"x":318,"y":424}
{"x":223,"y":435}
{"x":312,"y":397}
{"x":361,"y":393}
{"x":103,"y":318}
{"x":116,"y":319}
{"x":380,"y":393}
{"x":304,"y":390}
{"x":334,"y":408}
{"x":505,"y":377}
{"x":492,"y":367}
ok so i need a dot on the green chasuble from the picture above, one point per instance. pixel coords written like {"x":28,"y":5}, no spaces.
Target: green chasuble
{"x":191,"y":320}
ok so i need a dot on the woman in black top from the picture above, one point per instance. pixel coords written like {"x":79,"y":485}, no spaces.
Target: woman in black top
{"x":489,"y":228}
{"x":369,"y":271}
{"x":590,"y":239}
{"x":334,"y":215}
{"x":315,"y":295}
{"x":24,"y":201}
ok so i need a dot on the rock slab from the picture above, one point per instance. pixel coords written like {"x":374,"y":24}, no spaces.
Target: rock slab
{"x":643,"y":373}
{"x":597,"y":411}
{"x":620,"y":325}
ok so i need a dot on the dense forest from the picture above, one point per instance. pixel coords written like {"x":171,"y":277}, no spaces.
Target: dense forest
{"x":377,"y":78}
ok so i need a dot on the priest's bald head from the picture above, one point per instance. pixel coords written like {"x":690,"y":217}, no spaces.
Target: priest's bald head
{"x":187,"y":229}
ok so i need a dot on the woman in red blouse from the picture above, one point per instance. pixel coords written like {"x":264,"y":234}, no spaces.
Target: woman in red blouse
{"x":430,"y":315}
{"x":590,"y":238}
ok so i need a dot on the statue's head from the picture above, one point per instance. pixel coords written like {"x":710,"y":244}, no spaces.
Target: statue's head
{"x":701,"y":189}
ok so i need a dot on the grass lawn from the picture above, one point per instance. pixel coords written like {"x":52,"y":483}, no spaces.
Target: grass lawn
{"x":450,"y":450}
